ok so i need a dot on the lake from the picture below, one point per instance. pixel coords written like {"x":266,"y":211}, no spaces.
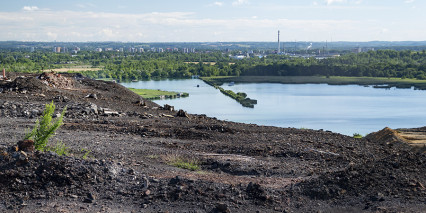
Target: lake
{"x":344,"y":109}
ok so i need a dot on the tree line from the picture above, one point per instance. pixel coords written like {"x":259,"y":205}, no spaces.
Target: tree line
{"x":131,"y":66}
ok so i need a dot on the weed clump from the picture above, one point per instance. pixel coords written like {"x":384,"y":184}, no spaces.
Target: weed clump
{"x":184,"y":163}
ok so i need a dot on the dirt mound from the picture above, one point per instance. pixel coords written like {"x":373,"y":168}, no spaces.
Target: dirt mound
{"x":385,"y":136}
{"x":398,"y":176}
{"x":56,"y":80}
{"x":24,"y":84}
{"x":42,"y":83}
{"x":27,"y":176}
{"x":45,"y":175}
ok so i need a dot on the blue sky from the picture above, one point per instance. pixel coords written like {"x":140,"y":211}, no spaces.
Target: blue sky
{"x":216,"y":20}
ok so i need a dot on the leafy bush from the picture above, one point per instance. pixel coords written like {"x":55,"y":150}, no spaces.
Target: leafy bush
{"x":45,"y":128}
{"x":357,"y":135}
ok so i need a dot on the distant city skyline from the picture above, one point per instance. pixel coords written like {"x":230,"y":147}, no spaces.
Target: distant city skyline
{"x":212,"y":21}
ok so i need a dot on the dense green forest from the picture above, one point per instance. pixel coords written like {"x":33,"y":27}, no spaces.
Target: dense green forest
{"x":131,"y":66}
{"x":381,"y":63}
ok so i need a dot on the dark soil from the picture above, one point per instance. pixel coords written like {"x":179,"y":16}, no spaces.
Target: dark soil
{"x":130,"y":144}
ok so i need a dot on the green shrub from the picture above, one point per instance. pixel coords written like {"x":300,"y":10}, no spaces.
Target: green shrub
{"x":45,"y":128}
{"x":357,"y":135}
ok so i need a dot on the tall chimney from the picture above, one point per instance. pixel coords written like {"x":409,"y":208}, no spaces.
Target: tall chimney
{"x":279,"y":46}
{"x":4,"y":73}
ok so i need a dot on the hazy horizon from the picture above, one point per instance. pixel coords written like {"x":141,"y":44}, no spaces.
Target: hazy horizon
{"x":212,"y":21}
{"x":165,"y":42}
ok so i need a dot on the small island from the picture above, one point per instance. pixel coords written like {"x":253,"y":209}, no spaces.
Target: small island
{"x":152,"y":94}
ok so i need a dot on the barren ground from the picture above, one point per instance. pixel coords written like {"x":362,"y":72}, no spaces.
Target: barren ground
{"x":244,"y":168}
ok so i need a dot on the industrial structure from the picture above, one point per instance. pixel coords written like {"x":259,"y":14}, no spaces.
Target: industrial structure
{"x":279,"y":46}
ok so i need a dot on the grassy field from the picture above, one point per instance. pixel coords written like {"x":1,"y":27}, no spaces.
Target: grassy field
{"x":333,"y":80}
{"x":157,"y":94}
{"x":78,"y":68}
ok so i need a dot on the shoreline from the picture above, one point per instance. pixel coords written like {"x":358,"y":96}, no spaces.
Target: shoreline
{"x":332,"y":80}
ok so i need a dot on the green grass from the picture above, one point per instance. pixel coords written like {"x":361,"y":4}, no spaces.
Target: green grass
{"x":156,"y":94}
{"x":59,"y":148}
{"x":86,"y":153}
{"x":184,"y":163}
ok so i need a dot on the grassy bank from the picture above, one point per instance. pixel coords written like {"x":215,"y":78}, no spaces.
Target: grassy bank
{"x":240,"y":97}
{"x":333,"y":80}
{"x":152,"y":94}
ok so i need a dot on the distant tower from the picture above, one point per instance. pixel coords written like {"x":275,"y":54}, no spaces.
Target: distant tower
{"x":279,"y":46}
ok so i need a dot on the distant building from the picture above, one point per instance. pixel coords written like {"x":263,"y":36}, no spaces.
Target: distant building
{"x":32,"y":49}
{"x":357,"y":50}
{"x":58,"y":49}
{"x":238,"y":57}
{"x":98,"y":50}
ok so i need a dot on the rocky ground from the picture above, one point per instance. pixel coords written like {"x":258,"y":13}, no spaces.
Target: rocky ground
{"x":122,"y":149}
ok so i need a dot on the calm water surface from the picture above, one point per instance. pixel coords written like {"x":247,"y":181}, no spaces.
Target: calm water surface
{"x":345,"y":109}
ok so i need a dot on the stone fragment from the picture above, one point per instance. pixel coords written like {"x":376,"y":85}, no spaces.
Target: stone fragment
{"x":182,"y":113}
{"x":168,"y":107}
{"x":222,"y":207}
{"x":92,"y":95}
{"x":26,"y":145}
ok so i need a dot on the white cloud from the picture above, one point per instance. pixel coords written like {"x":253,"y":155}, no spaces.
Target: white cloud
{"x":218,"y":3}
{"x":183,"y":27}
{"x":86,"y":5}
{"x":240,"y":2}
{"x":30,"y":8}
{"x":334,"y":1}
{"x":409,"y":1}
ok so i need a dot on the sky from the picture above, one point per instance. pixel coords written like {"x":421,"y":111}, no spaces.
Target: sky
{"x":212,"y":20}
